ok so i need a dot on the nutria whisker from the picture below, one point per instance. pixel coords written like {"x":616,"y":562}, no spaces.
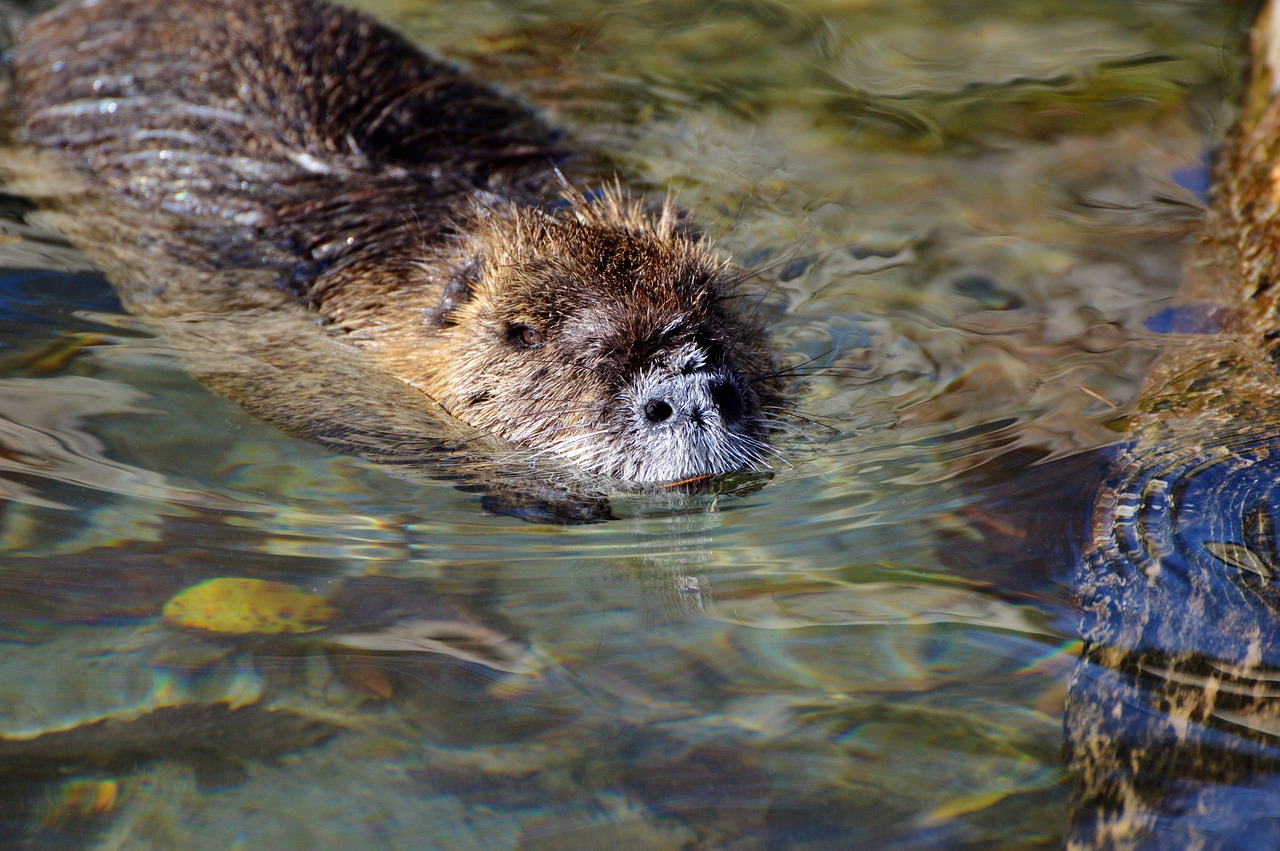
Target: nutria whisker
{"x":794,"y":371}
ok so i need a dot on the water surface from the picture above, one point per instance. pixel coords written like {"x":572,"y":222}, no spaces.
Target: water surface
{"x":968,"y":215}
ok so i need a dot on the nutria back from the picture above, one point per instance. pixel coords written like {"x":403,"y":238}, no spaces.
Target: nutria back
{"x":268,"y":129}
{"x":419,"y":215}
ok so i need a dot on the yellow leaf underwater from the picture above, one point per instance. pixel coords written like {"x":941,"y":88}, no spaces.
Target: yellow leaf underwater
{"x":247,"y":606}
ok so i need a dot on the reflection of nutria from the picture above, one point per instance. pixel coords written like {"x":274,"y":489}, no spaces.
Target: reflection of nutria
{"x":417,"y":212}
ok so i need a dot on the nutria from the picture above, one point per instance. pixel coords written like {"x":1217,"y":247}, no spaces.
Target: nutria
{"x":420,"y":216}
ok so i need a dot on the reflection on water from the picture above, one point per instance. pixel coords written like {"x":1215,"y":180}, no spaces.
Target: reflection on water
{"x":968,"y":213}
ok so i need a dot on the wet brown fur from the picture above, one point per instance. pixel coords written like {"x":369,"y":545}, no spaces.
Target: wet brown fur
{"x":415,"y":211}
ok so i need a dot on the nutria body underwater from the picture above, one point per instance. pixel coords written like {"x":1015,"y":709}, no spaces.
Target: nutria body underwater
{"x":396,"y":216}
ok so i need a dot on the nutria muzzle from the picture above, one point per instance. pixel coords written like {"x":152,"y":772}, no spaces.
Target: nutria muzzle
{"x":689,"y":421}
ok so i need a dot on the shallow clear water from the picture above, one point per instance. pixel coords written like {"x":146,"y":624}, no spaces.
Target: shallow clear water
{"x":970,"y":212}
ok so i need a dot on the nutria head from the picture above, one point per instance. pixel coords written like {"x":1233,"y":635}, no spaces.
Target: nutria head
{"x":596,"y":332}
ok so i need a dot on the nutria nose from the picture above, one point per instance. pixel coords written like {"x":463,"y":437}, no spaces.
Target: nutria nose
{"x":693,"y":399}
{"x":727,"y":399}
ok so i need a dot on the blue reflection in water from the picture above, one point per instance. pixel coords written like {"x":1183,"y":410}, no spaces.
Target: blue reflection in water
{"x":1172,"y":715}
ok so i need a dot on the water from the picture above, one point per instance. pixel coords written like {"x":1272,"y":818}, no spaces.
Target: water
{"x":971,"y":212}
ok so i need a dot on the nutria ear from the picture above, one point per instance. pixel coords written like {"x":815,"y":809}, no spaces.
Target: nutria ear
{"x":458,"y":290}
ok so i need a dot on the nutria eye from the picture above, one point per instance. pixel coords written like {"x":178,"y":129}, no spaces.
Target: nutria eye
{"x":526,"y":336}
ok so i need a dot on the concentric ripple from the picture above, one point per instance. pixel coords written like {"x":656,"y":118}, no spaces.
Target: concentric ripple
{"x":1176,"y":702}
